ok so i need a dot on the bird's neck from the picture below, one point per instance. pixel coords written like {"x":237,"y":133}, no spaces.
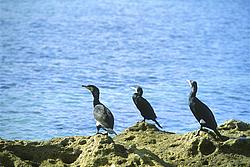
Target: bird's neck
{"x":96,"y":98}
{"x":96,"y":101}
{"x":137,"y":95}
{"x":193,"y":93}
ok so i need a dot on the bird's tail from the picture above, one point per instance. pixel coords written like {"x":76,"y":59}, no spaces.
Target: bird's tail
{"x":158,"y":123}
{"x":223,"y":138}
{"x":111,"y":131}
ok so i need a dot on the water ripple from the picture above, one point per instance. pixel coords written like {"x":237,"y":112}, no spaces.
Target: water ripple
{"x":48,"y":50}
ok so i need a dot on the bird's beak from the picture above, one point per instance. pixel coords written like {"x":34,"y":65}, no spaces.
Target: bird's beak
{"x":84,"y":86}
{"x":87,"y":87}
{"x":134,"y":88}
{"x":189,"y":82}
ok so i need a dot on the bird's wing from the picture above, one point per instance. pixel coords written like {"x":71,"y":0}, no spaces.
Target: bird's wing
{"x":145,"y":108}
{"x":205,"y":113}
{"x":104,"y":116}
{"x":193,"y":107}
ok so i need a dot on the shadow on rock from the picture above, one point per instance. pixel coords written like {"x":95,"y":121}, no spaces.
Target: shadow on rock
{"x":236,"y":146}
{"x":149,"y":158}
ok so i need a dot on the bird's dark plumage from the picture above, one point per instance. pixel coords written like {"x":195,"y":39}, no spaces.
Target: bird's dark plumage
{"x":201,"y":111}
{"x":103,"y":116}
{"x":144,"y":106}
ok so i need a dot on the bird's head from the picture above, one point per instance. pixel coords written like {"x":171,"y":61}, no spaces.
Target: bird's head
{"x":193,"y":85}
{"x":138,"y":90}
{"x":93,"y":89}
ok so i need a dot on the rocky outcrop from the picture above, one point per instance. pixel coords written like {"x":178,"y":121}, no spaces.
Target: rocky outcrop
{"x":140,"y":145}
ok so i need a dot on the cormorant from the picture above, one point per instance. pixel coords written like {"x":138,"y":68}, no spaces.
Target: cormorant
{"x":103,"y":116}
{"x":201,"y":111}
{"x":144,"y":106}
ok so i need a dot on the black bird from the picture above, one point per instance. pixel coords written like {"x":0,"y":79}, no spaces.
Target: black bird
{"x":144,"y":106}
{"x":201,"y":111}
{"x":103,"y":116}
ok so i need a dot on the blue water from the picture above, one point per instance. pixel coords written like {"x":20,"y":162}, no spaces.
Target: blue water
{"x":50,"y":48}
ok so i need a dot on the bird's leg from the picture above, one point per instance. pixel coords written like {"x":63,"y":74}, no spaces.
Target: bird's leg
{"x":198,"y":133}
{"x":97,"y":129}
{"x":106,"y":133}
{"x":143,"y":120}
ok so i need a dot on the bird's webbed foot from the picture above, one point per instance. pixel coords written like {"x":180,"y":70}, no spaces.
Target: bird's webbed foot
{"x":106,"y":133}
{"x":198,"y":133}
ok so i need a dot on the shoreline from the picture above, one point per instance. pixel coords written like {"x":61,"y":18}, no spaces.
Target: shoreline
{"x":142,"y":144}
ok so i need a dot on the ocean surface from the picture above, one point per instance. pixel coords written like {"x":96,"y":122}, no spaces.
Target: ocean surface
{"x":49,"y":48}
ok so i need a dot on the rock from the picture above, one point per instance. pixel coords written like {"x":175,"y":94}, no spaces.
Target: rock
{"x":235,"y":125}
{"x":235,"y":128}
{"x":239,"y":146}
{"x":140,"y":145}
{"x":206,"y":147}
{"x":143,"y":126}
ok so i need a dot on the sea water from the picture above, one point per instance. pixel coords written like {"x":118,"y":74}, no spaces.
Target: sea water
{"x":50,"y":48}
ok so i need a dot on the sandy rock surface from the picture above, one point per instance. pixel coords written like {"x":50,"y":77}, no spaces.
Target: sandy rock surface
{"x":140,"y":145}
